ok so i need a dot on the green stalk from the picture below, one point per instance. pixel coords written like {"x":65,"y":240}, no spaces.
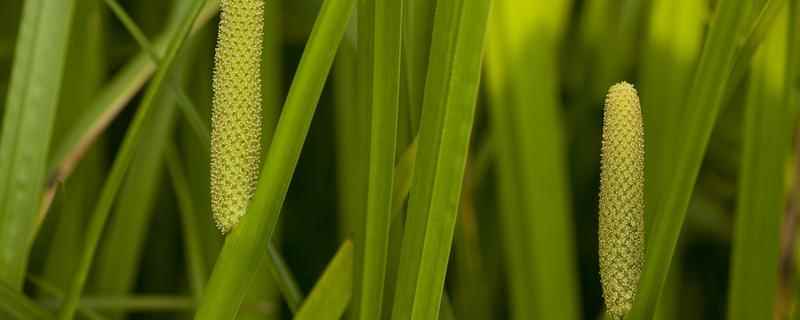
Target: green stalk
{"x":383,"y":141}
{"x":29,"y":114}
{"x":404,"y":172}
{"x":767,"y":136}
{"x":519,"y":279}
{"x":364,"y":66}
{"x":417,"y":31}
{"x":83,"y":77}
{"x":266,"y":287}
{"x":533,"y":190}
{"x":244,"y":246}
{"x":447,"y":116}
{"x":668,"y":62}
{"x":352,"y":133}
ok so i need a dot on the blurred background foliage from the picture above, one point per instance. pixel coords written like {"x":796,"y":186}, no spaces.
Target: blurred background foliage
{"x":541,"y":95}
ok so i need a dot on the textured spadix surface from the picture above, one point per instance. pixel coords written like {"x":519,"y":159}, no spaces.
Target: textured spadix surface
{"x":236,"y":113}
{"x":621,"y":199}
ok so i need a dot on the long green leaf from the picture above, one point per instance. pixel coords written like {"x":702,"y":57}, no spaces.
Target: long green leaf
{"x":669,"y":58}
{"x":404,"y":172}
{"x":417,"y":31}
{"x":520,"y":281}
{"x":447,"y":116}
{"x":266,"y":286}
{"x":122,"y":162}
{"x":27,"y":126}
{"x":83,"y":75}
{"x":525,"y":39}
{"x":244,"y":246}
{"x":352,"y":132}
{"x":331,"y":294}
{"x":364,"y":67}
{"x":119,"y":256}
{"x":383,"y":141}
{"x":704,"y":100}
{"x":767,"y":136}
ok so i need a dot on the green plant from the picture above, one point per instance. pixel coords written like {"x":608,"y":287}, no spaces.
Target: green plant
{"x":766,"y":137}
{"x":704,"y":99}
{"x":423,"y":181}
{"x":447,"y":114}
{"x":27,"y":126}
{"x":385,"y":106}
{"x":120,"y":166}
{"x":535,"y":217}
{"x":242,"y":251}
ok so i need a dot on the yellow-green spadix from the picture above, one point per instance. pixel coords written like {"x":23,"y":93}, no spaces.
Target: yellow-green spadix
{"x":621,"y":199}
{"x":236,"y":112}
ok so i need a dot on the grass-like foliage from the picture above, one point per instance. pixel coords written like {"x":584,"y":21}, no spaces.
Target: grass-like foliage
{"x":399,"y":159}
